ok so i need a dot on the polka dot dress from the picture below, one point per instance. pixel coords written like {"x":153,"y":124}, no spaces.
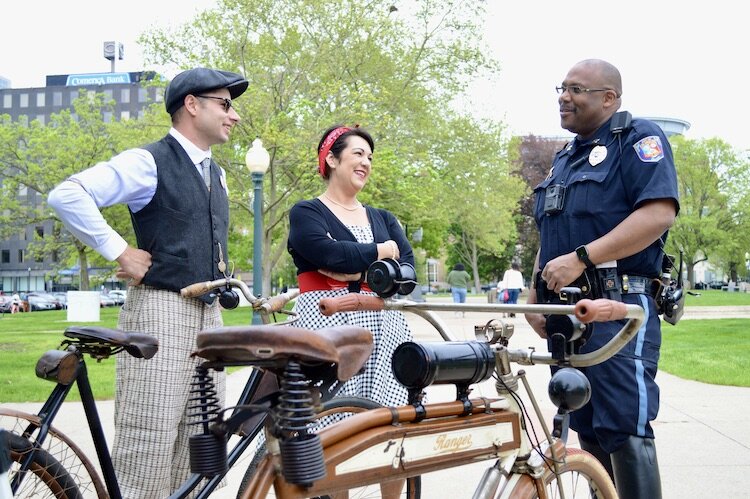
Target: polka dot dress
{"x":389,"y":329}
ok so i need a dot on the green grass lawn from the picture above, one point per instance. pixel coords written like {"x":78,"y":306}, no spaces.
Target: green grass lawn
{"x":711,"y":351}
{"x":25,"y":337}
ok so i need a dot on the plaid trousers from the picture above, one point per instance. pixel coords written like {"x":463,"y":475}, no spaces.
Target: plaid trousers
{"x":151,"y":444}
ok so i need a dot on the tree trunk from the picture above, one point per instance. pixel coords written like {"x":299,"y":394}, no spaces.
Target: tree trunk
{"x":84,"y":271}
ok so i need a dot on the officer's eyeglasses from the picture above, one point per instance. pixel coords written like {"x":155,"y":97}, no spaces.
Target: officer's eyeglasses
{"x":578,"y":90}
{"x":227,"y":102}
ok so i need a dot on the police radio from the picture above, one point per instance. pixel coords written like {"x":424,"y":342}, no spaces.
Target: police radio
{"x":671,"y":299}
{"x":620,"y":122}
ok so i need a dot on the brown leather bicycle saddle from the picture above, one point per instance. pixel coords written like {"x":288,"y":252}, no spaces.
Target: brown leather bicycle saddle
{"x":139,"y":345}
{"x":270,"y":346}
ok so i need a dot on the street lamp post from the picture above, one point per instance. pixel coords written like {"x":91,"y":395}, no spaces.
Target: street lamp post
{"x":257,"y":161}
{"x":29,"y":279}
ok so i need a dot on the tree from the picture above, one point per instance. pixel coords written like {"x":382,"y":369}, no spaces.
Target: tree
{"x":479,"y":194}
{"x":705,"y":223}
{"x":311,"y":64}
{"x":532,"y":160}
{"x":34,"y":158}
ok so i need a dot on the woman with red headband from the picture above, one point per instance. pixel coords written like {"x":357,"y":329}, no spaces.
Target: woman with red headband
{"x":333,"y":239}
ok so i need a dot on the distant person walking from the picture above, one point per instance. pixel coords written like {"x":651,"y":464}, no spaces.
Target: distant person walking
{"x":513,"y":283}
{"x":513,"y":280}
{"x":458,"y":280}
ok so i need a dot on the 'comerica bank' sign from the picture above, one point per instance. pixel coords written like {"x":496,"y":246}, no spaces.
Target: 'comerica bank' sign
{"x":97,"y":79}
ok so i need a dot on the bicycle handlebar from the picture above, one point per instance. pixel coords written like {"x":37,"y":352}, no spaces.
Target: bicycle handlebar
{"x":350,"y":302}
{"x":601,"y":310}
{"x":270,"y":305}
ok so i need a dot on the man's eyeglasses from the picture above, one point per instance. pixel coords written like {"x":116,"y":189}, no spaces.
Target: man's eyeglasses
{"x":227,"y":102}
{"x":577,"y":90}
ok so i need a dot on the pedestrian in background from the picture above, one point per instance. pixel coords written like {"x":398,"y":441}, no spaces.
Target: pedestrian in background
{"x":458,"y":279}
{"x":513,"y":284}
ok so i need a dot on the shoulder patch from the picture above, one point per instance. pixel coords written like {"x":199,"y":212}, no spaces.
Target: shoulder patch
{"x":649,"y":149}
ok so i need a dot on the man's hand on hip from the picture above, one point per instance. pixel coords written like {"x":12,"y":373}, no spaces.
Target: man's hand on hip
{"x":134,"y":263}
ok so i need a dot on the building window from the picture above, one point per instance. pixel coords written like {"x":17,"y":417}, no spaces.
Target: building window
{"x":22,"y":235}
{"x":40,"y":99}
{"x":57,"y":98}
{"x":5,"y":256}
{"x":107,"y":116}
{"x":24,"y":100}
{"x":107,"y":94}
{"x":142,"y":95}
{"x":41,"y":119}
{"x":124,"y":115}
{"x":158,"y":96}
{"x":20,"y":256}
{"x":125,"y":96}
{"x":40,"y":231}
{"x":54,"y":256}
{"x":8,"y":101}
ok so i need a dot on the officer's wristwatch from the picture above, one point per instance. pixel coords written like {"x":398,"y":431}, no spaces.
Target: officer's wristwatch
{"x":583,"y":255}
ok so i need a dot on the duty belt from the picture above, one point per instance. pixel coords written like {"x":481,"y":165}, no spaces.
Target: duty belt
{"x":601,"y":283}
{"x":630,"y":284}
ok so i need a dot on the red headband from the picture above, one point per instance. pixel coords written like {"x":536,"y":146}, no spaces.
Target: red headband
{"x":326,"y":147}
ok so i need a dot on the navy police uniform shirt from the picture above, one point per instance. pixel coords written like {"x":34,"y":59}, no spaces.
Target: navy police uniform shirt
{"x":606,"y":178}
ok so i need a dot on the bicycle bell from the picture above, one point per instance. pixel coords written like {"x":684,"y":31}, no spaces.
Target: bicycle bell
{"x":387,"y":277}
{"x":229,"y":299}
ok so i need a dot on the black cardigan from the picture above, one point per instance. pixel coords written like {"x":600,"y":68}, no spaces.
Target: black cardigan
{"x":318,"y":240}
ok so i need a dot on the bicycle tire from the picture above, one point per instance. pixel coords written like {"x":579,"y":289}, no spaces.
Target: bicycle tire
{"x":582,"y":476}
{"x":61,"y":448}
{"x":338,"y":406}
{"x":46,"y":477}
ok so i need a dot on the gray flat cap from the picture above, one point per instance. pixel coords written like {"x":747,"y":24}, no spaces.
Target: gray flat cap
{"x":197,"y":80}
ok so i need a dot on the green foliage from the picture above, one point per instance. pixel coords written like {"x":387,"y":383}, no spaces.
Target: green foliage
{"x":312,"y":64}
{"x":35,"y":158}
{"x":712,"y":223}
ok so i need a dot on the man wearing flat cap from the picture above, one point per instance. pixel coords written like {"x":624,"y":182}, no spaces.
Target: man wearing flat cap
{"x":178,"y":203}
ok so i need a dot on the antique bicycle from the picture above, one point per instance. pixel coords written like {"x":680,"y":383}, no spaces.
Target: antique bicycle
{"x":48,"y":463}
{"x":390,"y":447}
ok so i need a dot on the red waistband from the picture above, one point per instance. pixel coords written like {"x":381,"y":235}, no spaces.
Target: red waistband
{"x":315,"y":281}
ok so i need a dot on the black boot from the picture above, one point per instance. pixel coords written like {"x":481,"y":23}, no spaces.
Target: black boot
{"x":636,"y":469}
{"x":600,"y":454}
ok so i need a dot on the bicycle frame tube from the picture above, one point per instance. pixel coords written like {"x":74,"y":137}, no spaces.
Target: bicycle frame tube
{"x":97,"y":431}
{"x":368,"y":448}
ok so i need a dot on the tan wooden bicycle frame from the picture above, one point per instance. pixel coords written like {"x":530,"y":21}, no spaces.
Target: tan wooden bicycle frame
{"x":368,"y":448}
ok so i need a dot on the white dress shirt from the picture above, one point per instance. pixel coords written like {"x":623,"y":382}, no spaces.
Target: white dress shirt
{"x":130,"y":177}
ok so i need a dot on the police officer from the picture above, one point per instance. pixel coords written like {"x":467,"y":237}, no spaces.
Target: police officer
{"x":609,"y":200}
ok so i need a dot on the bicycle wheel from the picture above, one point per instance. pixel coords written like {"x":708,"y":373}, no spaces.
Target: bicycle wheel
{"x":581,"y":476}
{"x":333,"y":410}
{"x":46,"y":477}
{"x":63,"y":450}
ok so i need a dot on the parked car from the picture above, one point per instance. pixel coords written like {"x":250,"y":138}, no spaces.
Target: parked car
{"x":5,"y":304}
{"x":62,"y":298}
{"x":717,"y":284}
{"x":38,"y":302}
{"x":118,"y":295}
{"x":106,"y":301}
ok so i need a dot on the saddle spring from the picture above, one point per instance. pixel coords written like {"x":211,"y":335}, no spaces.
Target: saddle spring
{"x":208,"y":451}
{"x":301,"y":450}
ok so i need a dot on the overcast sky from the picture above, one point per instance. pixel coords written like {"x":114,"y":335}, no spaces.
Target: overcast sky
{"x":685,"y":60}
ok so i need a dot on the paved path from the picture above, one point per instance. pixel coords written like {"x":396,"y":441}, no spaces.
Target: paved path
{"x":702,"y":432}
